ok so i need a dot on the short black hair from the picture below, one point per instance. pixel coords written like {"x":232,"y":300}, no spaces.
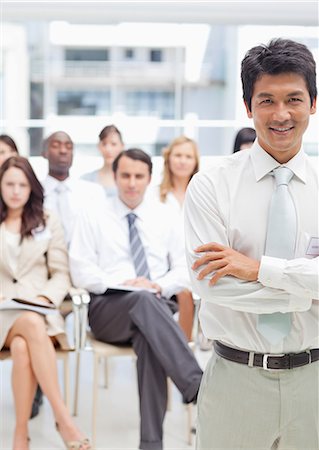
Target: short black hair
{"x":134,"y":153}
{"x":279,"y":56}
{"x":46,"y":141}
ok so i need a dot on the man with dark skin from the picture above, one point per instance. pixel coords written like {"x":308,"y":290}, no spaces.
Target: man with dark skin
{"x":64,"y":195}
{"x":58,"y":150}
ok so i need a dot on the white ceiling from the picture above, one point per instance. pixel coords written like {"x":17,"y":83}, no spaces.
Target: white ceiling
{"x":213,"y":12}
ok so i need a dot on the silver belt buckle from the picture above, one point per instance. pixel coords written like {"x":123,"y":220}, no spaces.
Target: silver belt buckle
{"x":265,"y":359}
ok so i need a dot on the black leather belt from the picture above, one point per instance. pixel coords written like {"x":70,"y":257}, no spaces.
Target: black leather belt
{"x":267,"y":361}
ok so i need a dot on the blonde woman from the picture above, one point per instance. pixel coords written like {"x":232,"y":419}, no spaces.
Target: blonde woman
{"x":181,"y":162}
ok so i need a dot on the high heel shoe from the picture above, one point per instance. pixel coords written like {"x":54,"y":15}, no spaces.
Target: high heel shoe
{"x":84,"y":444}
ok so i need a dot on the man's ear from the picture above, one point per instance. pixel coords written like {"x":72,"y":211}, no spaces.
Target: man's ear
{"x":313,"y":108}
{"x":248,"y":111}
{"x":44,"y":153}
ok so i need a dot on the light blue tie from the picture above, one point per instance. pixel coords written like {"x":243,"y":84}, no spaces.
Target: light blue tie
{"x":280,"y":243}
{"x":137,"y":249}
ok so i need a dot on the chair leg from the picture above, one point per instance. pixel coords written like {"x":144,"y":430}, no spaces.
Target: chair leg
{"x":76,"y":385}
{"x":94,"y":398}
{"x":189,"y":410}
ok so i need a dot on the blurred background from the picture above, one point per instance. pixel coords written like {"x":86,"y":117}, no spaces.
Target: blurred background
{"x":154,"y":69}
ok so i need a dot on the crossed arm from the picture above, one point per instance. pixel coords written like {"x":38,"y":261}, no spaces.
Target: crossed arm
{"x":223,"y":276}
{"x":220,"y":261}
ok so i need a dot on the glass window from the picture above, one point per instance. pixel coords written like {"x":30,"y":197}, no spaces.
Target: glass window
{"x":129,"y":53}
{"x":156,"y":55}
{"x":86,"y":54}
{"x":36,"y":100}
{"x":82,"y":103}
{"x":150,"y":103}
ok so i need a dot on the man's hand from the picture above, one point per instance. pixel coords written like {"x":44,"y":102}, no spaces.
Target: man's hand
{"x":221,"y":261}
{"x":144,"y":283}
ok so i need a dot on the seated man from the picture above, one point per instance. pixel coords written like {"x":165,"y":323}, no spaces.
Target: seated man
{"x":130,"y":256}
{"x":64,"y":195}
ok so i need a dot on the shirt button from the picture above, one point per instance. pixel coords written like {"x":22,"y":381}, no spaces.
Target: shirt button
{"x":14,"y":280}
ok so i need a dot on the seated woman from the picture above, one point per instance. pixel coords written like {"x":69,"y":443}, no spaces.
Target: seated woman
{"x":8,"y":148}
{"x":181,"y":162}
{"x":244,"y":139}
{"x":110,"y":145}
{"x":34,"y":266}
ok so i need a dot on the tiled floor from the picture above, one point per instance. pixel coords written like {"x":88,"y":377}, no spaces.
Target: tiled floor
{"x":118,"y":419}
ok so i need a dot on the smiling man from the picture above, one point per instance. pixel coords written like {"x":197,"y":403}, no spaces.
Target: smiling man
{"x":252,"y":246}
{"x":131,"y":258}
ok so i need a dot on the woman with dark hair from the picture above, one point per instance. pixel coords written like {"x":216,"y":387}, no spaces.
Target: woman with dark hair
{"x":8,"y":148}
{"x":110,"y":146}
{"x":34,"y":266}
{"x":244,"y":139}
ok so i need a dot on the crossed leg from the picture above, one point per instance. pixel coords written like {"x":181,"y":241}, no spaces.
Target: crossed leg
{"x":34,"y":360}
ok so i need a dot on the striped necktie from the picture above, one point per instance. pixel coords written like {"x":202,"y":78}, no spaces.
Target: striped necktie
{"x":137,"y":249}
{"x":280,"y":243}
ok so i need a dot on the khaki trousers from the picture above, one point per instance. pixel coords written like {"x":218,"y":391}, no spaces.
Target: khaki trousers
{"x":250,"y":408}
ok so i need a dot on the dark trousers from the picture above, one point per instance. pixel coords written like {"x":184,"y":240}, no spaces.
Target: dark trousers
{"x":162,"y":351}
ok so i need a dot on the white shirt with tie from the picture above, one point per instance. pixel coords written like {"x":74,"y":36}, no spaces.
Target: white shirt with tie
{"x":74,"y":195}
{"x":229,"y":204}
{"x":100,"y":250}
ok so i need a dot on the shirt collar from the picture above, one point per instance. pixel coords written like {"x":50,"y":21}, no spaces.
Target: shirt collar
{"x":122,"y":210}
{"x":263,"y":163}
{"x":51,"y":183}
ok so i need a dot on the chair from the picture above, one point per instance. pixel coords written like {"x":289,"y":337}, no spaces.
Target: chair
{"x":201,"y":341}
{"x":103,"y":351}
{"x":75,"y":304}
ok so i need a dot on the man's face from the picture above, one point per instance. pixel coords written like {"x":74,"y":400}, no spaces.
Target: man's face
{"x":280,"y":109}
{"x":132,"y":178}
{"x":59,"y":153}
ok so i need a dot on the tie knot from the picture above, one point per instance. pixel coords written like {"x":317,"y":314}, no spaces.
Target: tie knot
{"x":131,"y":217}
{"x":282,"y":175}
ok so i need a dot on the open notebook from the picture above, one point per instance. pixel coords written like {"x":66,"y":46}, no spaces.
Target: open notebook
{"x":29,"y":305}
{"x":126,"y":287}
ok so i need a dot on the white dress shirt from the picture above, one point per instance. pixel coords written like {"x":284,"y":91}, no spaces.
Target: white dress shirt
{"x":78,"y":194}
{"x":153,"y":192}
{"x":229,"y":204}
{"x":100,"y":249}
